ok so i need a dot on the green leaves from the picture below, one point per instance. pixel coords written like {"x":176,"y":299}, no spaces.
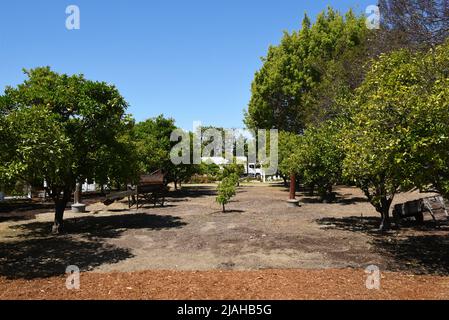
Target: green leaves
{"x":315,"y":156}
{"x":153,"y":146}
{"x":290,"y":145}
{"x":41,"y":148}
{"x":227,"y":189}
{"x":61,"y":129}
{"x":303,"y":75}
{"x":235,"y":170}
{"x":400,"y":121}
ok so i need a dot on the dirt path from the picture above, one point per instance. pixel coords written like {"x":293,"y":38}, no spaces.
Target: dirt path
{"x":228,"y":285}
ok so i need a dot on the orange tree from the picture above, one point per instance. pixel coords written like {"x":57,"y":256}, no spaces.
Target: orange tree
{"x":63,"y":129}
{"x":398,"y":135}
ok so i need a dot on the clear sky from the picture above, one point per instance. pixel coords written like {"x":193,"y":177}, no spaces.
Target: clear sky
{"x":190,"y":60}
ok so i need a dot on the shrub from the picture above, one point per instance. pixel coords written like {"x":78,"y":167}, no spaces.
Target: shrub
{"x":227,"y":190}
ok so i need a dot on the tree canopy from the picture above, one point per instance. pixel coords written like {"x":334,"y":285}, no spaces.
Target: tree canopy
{"x":152,"y":137}
{"x":62,"y":130}
{"x":398,"y":134}
{"x":287,"y":92}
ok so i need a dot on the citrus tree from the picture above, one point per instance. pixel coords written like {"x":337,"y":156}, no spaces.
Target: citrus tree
{"x":152,"y":138}
{"x":62,"y":129}
{"x":302,"y":77}
{"x":287,"y":91}
{"x":226,"y":190}
{"x":233,"y":170}
{"x":319,"y":158}
{"x":398,"y":135}
{"x":289,"y":146}
{"x":427,"y":156}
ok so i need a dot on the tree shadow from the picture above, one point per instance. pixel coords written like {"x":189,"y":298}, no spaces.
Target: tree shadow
{"x":345,"y":200}
{"x":235,"y":211}
{"x":22,"y":210}
{"x":16,"y":217}
{"x":424,"y":254}
{"x":152,"y":206}
{"x":104,"y":226}
{"x":43,"y":258}
{"x":368,"y":225}
{"x":191,"y":192}
{"x":228,"y":211}
{"x":312,"y":200}
{"x":422,"y":249}
{"x":40,"y":255}
{"x":119,"y":210}
{"x":342,"y":199}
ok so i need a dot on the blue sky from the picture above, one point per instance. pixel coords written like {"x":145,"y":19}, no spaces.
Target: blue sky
{"x":190,"y":60}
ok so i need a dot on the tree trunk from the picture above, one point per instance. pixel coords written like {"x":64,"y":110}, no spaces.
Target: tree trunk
{"x":292,"y":186}
{"x":285,"y":181}
{"x":326,"y":194}
{"x":385,"y":224}
{"x":58,"y":226}
{"x":382,"y":206}
{"x":224,"y":210}
{"x":60,"y":205}
{"x":176,"y":185}
{"x":385,"y":214}
{"x":312,"y":190}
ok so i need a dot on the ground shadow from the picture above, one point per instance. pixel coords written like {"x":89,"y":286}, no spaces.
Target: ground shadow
{"x":342,"y":199}
{"x":105,"y":226}
{"x":422,"y":249}
{"x":40,"y":255}
{"x":228,"y":211}
{"x":42,"y":258}
{"x":16,"y":217}
{"x":311,"y":200}
{"x":368,"y":225}
{"x":152,"y":206}
{"x":235,"y":211}
{"x":345,"y":200}
{"x":191,"y":192}
{"x":118,"y":210}
{"x":311,"y":196}
{"x":22,"y":210}
{"x":426,"y":254}
{"x":25,"y":205}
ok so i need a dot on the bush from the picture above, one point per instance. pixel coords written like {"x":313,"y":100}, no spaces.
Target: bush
{"x":200,"y":179}
{"x":320,"y":159}
{"x":227,"y":190}
{"x":211,"y":170}
{"x":233,"y":169}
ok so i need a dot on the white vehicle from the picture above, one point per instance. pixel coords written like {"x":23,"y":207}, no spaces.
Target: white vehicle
{"x":254,"y":170}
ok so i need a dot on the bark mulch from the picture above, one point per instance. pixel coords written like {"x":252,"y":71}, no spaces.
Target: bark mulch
{"x":347,"y":284}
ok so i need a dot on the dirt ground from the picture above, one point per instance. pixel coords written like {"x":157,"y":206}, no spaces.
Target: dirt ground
{"x":341,"y":284}
{"x":290,"y":249}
